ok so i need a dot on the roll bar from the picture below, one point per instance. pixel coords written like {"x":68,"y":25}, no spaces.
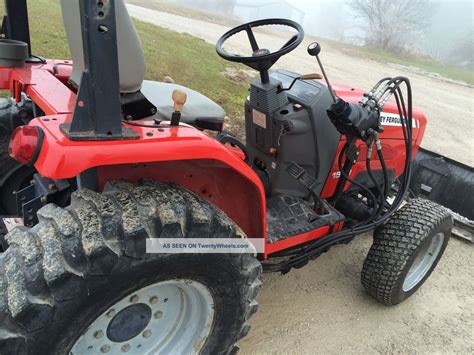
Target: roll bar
{"x":98,"y":111}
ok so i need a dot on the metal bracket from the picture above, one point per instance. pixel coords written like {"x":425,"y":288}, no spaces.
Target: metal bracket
{"x":463,"y":228}
{"x":30,"y":199}
{"x":24,"y":196}
{"x":136,"y":106}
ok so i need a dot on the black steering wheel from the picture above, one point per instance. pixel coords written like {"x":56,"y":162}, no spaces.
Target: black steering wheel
{"x":262,"y":59}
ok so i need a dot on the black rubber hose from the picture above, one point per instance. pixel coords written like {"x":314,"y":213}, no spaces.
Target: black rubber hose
{"x":382,"y":196}
{"x":385,"y":173}
{"x":346,"y":235}
{"x":406,"y":126}
{"x":342,"y":180}
{"x":362,"y":187}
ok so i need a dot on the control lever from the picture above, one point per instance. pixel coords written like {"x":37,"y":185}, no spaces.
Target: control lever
{"x":350,"y":119}
{"x":313,"y":50}
{"x":179,"y":98}
{"x":312,"y":76}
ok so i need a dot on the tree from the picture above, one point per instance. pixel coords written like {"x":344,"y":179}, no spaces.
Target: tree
{"x":390,"y":23}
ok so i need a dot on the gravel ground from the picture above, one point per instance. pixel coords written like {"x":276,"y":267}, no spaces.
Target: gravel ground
{"x":322,"y":308}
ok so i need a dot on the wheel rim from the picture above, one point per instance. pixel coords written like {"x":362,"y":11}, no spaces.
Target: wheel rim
{"x":169,"y":316}
{"x":423,"y":262}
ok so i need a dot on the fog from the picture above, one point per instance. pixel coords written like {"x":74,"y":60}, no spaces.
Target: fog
{"x":450,"y":22}
{"x":447,"y":35}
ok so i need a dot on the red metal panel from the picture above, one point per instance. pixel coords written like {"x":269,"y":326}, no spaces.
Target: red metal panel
{"x":52,"y":96}
{"x":219,"y":174}
{"x":394,"y":151}
{"x":5,"y":78}
{"x":42,"y":86}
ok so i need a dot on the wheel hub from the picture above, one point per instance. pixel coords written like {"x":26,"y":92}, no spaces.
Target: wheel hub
{"x":423,"y":262}
{"x":129,"y":322}
{"x":174,"y":316}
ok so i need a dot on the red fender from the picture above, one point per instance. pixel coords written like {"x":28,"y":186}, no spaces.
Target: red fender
{"x":181,"y":155}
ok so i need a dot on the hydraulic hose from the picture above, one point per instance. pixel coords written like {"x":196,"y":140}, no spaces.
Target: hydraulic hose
{"x":385,"y":173}
{"x":381,"y":194}
{"x":355,"y":183}
{"x":300,"y":255}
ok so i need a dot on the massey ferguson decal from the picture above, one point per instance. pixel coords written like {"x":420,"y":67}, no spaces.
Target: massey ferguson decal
{"x":393,"y":119}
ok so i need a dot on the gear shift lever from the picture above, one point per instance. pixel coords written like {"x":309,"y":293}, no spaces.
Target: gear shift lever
{"x":313,"y":50}
{"x":179,"y":99}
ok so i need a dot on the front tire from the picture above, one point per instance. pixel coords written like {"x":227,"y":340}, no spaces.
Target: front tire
{"x":406,"y":250}
{"x":85,"y":267}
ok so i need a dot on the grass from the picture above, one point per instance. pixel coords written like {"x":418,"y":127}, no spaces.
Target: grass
{"x":48,"y":38}
{"x":188,"y":60}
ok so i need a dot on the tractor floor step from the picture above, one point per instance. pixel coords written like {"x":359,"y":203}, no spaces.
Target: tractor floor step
{"x":288,"y":216}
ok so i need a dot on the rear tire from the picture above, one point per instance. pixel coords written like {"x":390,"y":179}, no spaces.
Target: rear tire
{"x":6,"y":163}
{"x":18,"y":177}
{"x":13,"y":175}
{"x":59,"y":277}
{"x":406,"y":250}
{"x":3,"y":233}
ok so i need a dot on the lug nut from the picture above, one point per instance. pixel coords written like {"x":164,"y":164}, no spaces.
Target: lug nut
{"x":125,"y":348}
{"x":111,"y":313}
{"x":98,"y":334}
{"x":158,"y":314}
{"x":154,"y":300}
{"x":147,"y":333}
{"x":105,"y":348}
{"x":134,"y":299}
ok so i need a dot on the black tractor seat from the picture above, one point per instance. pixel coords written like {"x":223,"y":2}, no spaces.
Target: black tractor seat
{"x":197,"y":111}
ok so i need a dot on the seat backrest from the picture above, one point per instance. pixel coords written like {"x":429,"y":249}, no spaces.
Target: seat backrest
{"x":131,"y":59}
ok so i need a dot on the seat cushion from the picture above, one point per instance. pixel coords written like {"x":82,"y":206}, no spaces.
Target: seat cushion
{"x":197,"y":105}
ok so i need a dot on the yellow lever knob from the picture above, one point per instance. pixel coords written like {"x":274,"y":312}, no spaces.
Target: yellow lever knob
{"x":179,"y":98}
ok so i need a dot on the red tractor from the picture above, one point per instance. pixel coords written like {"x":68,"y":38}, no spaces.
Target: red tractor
{"x":109,"y":162}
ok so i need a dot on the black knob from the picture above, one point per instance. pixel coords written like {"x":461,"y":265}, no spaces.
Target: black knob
{"x":314,"y":49}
